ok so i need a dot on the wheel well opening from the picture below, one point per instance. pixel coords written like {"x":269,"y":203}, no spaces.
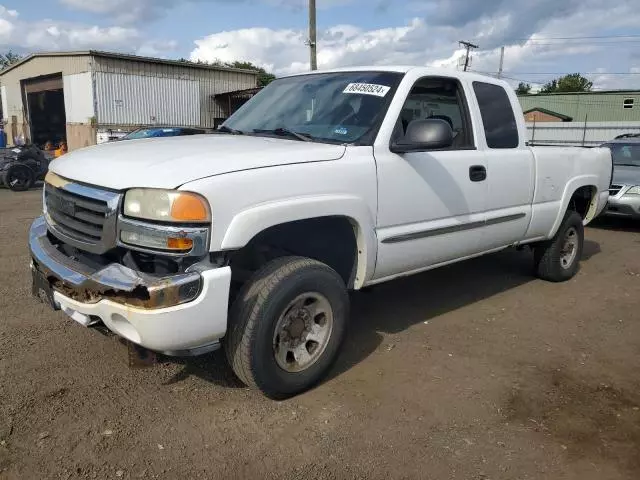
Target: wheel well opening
{"x":330,"y":240}
{"x":582,"y":201}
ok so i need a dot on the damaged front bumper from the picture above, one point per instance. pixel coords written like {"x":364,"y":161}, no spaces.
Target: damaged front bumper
{"x":176,"y":314}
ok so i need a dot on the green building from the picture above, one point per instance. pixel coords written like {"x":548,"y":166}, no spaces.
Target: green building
{"x":605,"y":106}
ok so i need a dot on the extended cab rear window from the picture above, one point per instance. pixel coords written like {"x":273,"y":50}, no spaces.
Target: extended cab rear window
{"x":498,"y":120}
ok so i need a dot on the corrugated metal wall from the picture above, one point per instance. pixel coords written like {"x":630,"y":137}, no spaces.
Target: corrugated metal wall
{"x":67,"y":65}
{"x":597,"y":107}
{"x":78,"y":98}
{"x":578,"y":133}
{"x":124,"y":99}
{"x":209,"y":82}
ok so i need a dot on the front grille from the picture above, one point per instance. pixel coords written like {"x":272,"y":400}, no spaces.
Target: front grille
{"x":82,"y":216}
{"x":614,"y":190}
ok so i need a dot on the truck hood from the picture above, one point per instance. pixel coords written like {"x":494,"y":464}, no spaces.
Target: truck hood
{"x":623,"y":175}
{"x":173,"y":161}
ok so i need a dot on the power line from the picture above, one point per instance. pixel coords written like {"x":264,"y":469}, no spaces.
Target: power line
{"x":560,"y":100}
{"x":565,"y":43}
{"x":580,"y":38}
{"x":522,"y":80}
{"x":568,"y":73}
{"x":507,"y":77}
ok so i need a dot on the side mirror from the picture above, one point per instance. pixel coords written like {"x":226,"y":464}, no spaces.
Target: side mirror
{"x":428,"y":134}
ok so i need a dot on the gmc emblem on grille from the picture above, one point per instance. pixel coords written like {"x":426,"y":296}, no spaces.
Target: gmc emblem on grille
{"x":65,"y":206}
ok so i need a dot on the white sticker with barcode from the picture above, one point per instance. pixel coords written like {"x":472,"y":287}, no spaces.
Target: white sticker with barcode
{"x":367,"y":89}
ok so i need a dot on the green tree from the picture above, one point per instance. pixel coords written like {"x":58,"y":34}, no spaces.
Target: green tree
{"x":264,"y":77}
{"x":550,"y":87}
{"x":9,"y":58}
{"x":574,"y":82}
{"x":523,"y":88}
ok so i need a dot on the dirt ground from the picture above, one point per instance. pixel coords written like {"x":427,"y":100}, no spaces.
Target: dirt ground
{"x":476,"y":371}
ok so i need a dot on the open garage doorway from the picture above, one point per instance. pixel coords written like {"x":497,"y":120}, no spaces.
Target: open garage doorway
{"x":44,"y":101}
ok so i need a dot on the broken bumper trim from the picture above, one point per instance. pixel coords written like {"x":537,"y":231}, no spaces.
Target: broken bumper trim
{"x":115,"y":282}
{"x":195,"y":326}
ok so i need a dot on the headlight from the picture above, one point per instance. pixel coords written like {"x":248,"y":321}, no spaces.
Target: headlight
{"x":145,"y":206}
{"x":166,"y":206}
{"x":633,"y":191}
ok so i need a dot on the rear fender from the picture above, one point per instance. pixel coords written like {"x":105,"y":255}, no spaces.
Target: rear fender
{"x":572,"y":186}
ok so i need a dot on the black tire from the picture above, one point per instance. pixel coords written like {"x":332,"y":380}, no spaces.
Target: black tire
{"x":548,"y":256}
{"x":249,"y":343}
{"x":19,"y":178}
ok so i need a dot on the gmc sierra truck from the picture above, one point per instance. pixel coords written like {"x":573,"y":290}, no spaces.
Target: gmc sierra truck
{"x":251,"y":237}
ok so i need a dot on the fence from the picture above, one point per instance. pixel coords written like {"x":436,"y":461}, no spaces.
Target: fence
{"x":578,"y":133}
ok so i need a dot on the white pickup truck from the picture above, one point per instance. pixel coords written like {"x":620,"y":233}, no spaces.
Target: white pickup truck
{"x":326,"y":182}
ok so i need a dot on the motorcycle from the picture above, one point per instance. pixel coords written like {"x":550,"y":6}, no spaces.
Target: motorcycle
{"x":21,"y":167}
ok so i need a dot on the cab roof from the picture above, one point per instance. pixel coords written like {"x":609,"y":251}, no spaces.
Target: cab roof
{"x":423,"y":71}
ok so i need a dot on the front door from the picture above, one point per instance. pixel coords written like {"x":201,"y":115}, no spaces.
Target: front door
{"x":431,"y":204}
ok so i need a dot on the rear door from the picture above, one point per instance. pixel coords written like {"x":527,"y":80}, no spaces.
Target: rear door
{"x":510,"y":165}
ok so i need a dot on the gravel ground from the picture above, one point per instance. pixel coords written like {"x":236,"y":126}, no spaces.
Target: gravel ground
{"x":475,"y":371}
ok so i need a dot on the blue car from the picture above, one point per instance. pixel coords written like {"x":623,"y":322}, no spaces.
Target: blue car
{"x":154,"y":132}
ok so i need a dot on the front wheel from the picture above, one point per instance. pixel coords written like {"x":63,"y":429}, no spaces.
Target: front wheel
{"x":287,"y":325}
{"x":558,"y":260}
{"x":19,"y":178}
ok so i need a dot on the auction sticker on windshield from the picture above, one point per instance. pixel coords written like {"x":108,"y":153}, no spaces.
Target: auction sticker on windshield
{"x":367,"y":89}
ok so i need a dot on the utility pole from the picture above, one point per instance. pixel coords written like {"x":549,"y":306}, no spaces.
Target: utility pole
{"x":468,"y":46}
{"x":501,"y":62}
{"x":312,"y":35}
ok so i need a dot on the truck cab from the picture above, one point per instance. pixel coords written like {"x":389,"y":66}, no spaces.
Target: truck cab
{"x":322,"y":183}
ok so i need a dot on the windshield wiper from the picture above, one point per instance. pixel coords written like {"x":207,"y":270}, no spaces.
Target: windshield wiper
{"x":305,"y":137}
{"x":232,"y":131}
{"x":627,"y":164}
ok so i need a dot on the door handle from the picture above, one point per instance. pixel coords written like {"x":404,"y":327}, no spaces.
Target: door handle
{"x":477,"y":173}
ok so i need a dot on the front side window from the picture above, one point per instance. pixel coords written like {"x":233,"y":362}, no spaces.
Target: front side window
{"x":438,"y":98}
{"x":345,"y":107}
{"x":500,"y":127}
{"x":627,"y":103}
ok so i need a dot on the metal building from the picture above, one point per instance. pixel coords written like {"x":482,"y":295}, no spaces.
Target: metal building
{"x":71,"y":96}
{"x":581,"y":118}
{"x":602,"y":106}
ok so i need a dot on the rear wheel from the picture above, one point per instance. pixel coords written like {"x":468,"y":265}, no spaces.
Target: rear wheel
{"x":286,"y":326}
{"x":19,"y":178}
{"x":558,"y":260}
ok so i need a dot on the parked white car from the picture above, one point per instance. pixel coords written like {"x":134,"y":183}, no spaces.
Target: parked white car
{"x":323,"y":183}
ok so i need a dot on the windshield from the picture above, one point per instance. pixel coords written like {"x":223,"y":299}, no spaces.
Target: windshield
{"x":152,"y":132}
{"x":343,"y":107}
{"x":625,"y":153}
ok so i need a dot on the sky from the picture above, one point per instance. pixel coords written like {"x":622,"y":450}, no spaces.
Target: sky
{"x":542,"y":38}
